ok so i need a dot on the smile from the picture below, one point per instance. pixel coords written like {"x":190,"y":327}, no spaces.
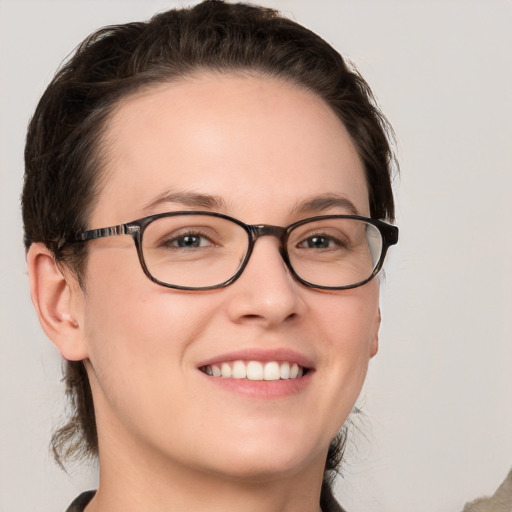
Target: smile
{"x":255,"y":370}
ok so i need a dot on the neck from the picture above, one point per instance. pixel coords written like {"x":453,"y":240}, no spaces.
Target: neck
{"x":150,"y":488}
{"x":137,"y":479}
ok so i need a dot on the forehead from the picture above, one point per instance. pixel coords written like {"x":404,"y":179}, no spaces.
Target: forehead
{"x":251,"y":141}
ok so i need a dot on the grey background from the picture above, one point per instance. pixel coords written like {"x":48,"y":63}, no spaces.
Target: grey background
{"x":437,"y":430}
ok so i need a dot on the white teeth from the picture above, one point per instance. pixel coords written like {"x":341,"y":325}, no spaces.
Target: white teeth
{"x":285,"y":371}
{"x":239,"y":370}
{"x":271,"y":371}
{"x":225,"y":370}
{"x":255,"y":370}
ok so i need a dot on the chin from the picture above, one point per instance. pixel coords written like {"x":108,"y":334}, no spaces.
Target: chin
{"x":267,"y":461}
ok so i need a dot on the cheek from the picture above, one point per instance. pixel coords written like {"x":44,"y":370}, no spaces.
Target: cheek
{"x":136,"y":331}
{"x":135,"y":328}
{"x":347,"y":325}
{"x":139,"y":340}
{"x":123,"y":303}
{"x":350,"y":320}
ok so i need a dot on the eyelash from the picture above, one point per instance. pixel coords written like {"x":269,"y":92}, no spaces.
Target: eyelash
{"x":339,"y":242}
{"x":170,"y":241}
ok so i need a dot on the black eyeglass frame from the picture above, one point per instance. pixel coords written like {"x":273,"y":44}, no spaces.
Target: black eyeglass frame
{"x":136,"y":229}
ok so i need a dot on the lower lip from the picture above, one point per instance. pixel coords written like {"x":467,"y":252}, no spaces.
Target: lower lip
{"x":262,"y":389}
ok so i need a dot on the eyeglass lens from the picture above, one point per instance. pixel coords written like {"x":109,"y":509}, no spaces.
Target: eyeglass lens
{"x":197,"y":251}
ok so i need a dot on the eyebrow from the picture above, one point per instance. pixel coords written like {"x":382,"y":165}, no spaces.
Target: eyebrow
{"x":212,"y":202}
{"x":325,"y":202}
{"x":190,"y":199}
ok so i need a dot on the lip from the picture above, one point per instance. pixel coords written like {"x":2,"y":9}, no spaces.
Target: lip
{"x":263,"y":355}
{"x":262,"y":389}
{"x":266,"y":390}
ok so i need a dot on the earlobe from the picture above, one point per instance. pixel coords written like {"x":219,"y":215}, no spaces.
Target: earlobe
{"x":55,"y":298}
{"x":374,"y":342}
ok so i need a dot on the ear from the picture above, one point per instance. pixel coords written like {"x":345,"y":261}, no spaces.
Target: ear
{"x":374,"y":341}
{"x":58,"y":300}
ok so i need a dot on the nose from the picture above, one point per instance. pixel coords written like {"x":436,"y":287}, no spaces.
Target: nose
{"x":266,"y":293}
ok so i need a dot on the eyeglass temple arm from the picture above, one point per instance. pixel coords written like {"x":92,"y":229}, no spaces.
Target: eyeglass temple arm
{"x":93,"y":234}
{"x":391,"y":233}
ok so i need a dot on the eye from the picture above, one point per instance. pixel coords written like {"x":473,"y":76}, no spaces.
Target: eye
{"x":317,"y":242}
{"x":321,"y":241}
{"x":189,"y":240}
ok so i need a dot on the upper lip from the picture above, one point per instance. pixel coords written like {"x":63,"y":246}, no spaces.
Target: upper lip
{"x":259,"y":354}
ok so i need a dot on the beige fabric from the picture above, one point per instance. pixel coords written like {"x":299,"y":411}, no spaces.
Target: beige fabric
{"x":500,"y":502}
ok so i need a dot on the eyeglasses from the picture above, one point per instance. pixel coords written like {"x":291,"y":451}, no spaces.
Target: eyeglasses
{"x":193,"y":250}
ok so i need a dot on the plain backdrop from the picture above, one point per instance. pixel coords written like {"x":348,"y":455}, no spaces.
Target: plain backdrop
{"x":437,"y":424}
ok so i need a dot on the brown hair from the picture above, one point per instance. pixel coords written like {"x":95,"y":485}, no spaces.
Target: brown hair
{"x":64,"y":154}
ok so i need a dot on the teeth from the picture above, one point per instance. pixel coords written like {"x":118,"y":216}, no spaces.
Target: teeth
{"x":225,"y":370}
{"x":239,"y":370}
{"x":271,"y":371}
{"x":285,"y":371}
{"x":255,"y":370}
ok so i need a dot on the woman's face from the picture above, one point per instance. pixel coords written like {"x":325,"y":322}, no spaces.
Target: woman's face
{"x":264,"y":152}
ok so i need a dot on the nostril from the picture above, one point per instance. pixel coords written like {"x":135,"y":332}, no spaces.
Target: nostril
{"x":252,"y":317}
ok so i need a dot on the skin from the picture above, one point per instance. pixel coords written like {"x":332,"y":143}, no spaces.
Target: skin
{"x":167,"y":433}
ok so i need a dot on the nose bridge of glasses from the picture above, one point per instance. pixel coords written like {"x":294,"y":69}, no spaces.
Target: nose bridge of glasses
{"x":260,"y":230}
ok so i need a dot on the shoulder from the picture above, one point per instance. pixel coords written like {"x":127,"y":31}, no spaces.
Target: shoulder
{"x":81,"y":502}
{"x":501,"y":501}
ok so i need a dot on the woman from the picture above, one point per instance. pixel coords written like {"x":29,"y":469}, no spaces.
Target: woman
{"x":202,"y":206}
